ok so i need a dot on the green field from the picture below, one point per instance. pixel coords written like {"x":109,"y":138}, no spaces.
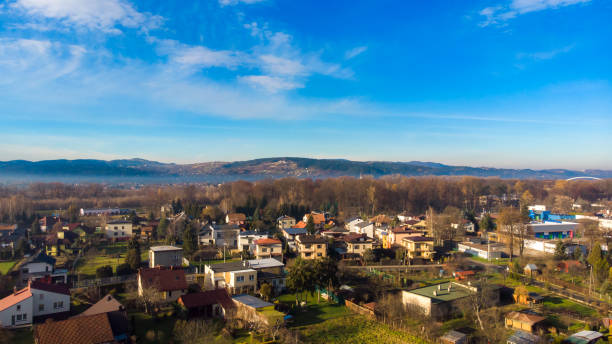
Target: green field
{"x":314,"y":312}
{"x":21,"y":336}
{"x":558,"y":304}
{"x":88,"y":264}
{"x":6,"y":266}
{"x":355,"y":329}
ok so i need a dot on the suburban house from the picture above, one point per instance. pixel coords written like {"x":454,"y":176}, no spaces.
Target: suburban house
{"x":311,"y":246}
{"x":38,"y":266}
{"x":246,"y":239}
{"x":119,"y":229}
{"x":146,"y":232}
{"x":525,"y":321}
{"x":169,"y":282}
{"x":291,"y":233}
{"x":47,"y":222}
{"x":351,"y":223}
{"x":165,"y":256}
{"x":39,"y":300}
{"x":319,"y":219}
{"x":486,"y":251}
{"x":357,"y":243}
{"x":237,"y":219}
{"x":100,"y":328}
{"x":285,"y":222}
{"x":441,"y":301}
{"x":381,"y":220}
{"x":10,"y":235}
{"x":220,"y":235}
{"x":268,"y":248}
{"x":366,"y":228}
{"x":271,"y":271}
{"x":396,"y":235}
{"x":236,"y":277}
{"x":419,"y":247}
{"x":334,"y":232}
{"x":207,"y":304}
{"x":61,"y":243}
{"x":570,"y":265}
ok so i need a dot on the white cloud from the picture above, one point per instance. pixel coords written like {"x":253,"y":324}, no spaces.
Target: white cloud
{"x":104,"y":15}
{"x":545,"y":55}
{"x":270,"y":83}
{"x":354,"y":52}
{"x":502,"y":13}
{"x":197,"y":56}
{"x":236,"y":2}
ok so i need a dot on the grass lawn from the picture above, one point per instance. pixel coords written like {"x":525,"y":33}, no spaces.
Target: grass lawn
{"x":314,"y":312}
{"x":558,"y":304}
{"x":88,"y":264}
{"x":6,"y":266}
{"x":160,"y":329}
{"x":22,"y":336}
{"x":355,"y":329}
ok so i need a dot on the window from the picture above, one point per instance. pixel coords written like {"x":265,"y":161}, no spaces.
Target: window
{"x":356,"y":247}
{"x":115,"y":228}
{"x":307,"y":246}
{"x":170,"y":293}
{"x":59,"y":304}
{"x":25,"y":316}
{"x":263,"y":249}
{"x":18,"y":317}
{"x":240,"y":279}
{"x":116,"y":233}
{"x":18,"y":307}
{"x":318,"y":246}
{"x":319,"y":254}
{"x":251,"y":277}
{"x":41,"y":307}
{"x":308,"y":254}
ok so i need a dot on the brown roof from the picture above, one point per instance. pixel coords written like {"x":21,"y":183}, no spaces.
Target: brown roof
{"x":147,"y":228}
{"x":525,"y":318}
{"x":300,"y":224}
{"x":318,"y":218}
{"x":417,"y":239}
{"x":163,"y":279}
{"x":15,"y":298}
{"x":8,"y":227}
{"x":267,"y":241}
{"x":236,"y":217}
{"x":205,"y":298}
{"x":381,"y":219}
{"x":356,"y":237}
{"x":91,"y":329}
{"x":311,"y":239}
{"x":58,"y":288}
{"x":106,"y":304}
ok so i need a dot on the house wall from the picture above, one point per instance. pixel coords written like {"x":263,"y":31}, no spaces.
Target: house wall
{"x":47,"y":300}
{"x":313,"y":251}
{"x":25,"y":308}
{"x":227,"y":237}
{"x":165,"y":258}
{"x":265,"y":251}
{"x":358,"y":247}
{"x":410,"y":299}
{"x":242,"y":281}
{"x":118,"y":230}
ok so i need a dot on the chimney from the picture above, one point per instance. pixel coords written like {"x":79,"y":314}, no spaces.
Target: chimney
{"x":15,"y":290}
{"x":435,"y":292}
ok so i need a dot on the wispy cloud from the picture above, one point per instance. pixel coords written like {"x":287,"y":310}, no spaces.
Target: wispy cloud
{"x":270,"y":83}
{"x":236,"y":2}
{"x":499,"y":15}
{"x":354,"y":52}
{"x":545,"y":55}
{"x":104,"y":15}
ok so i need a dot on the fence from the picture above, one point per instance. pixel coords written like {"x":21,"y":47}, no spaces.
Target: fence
{"x":100,"y":282}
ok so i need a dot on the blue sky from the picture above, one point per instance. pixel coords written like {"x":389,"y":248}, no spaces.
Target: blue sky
{"x":516,"y":83}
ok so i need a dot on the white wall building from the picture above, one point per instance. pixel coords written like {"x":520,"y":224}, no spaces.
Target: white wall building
{"x":118,"y":229}
{"x":486,"y":251}
{"x":39,"y":298}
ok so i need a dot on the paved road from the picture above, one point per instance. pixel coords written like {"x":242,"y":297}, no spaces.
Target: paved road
{"x":394,"y":267}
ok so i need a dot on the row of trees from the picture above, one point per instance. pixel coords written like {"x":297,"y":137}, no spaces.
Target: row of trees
{"x":307,"y":276}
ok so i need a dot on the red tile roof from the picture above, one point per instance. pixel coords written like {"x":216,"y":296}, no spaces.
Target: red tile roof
{"x":91,"y":329}
{"x":205,"y":298}
{"x":267,"y":241}
{"x":15,"y":298}
{"x":163,"y":279}
{"x":300,"y":224}
{"x":318,"y":218}
{"x":235,"y":217}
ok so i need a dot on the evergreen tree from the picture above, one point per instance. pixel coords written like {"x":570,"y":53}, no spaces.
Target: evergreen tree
{"x":486,"y":223}
{"x":560,"y":251}
{"x":35,"y":227}
{"x":162,"y":228}
{"x":133,"y":254}
{"x":599,"y":263}
{"x":310,"y":226}
{"x":190,"y":239}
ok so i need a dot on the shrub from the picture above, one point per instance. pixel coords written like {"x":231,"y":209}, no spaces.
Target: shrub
{"x":123,"y":269}
{"x":104,"y":271}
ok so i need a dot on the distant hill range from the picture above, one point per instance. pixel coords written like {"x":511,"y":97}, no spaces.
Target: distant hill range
{"x":139,"y":169}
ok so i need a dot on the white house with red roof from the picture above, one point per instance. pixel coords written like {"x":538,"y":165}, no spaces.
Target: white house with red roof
{"x":39,"y":300}
{"x":268,"y":248}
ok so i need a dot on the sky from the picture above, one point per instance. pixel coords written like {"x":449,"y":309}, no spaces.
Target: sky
{"x":514,"y":83}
